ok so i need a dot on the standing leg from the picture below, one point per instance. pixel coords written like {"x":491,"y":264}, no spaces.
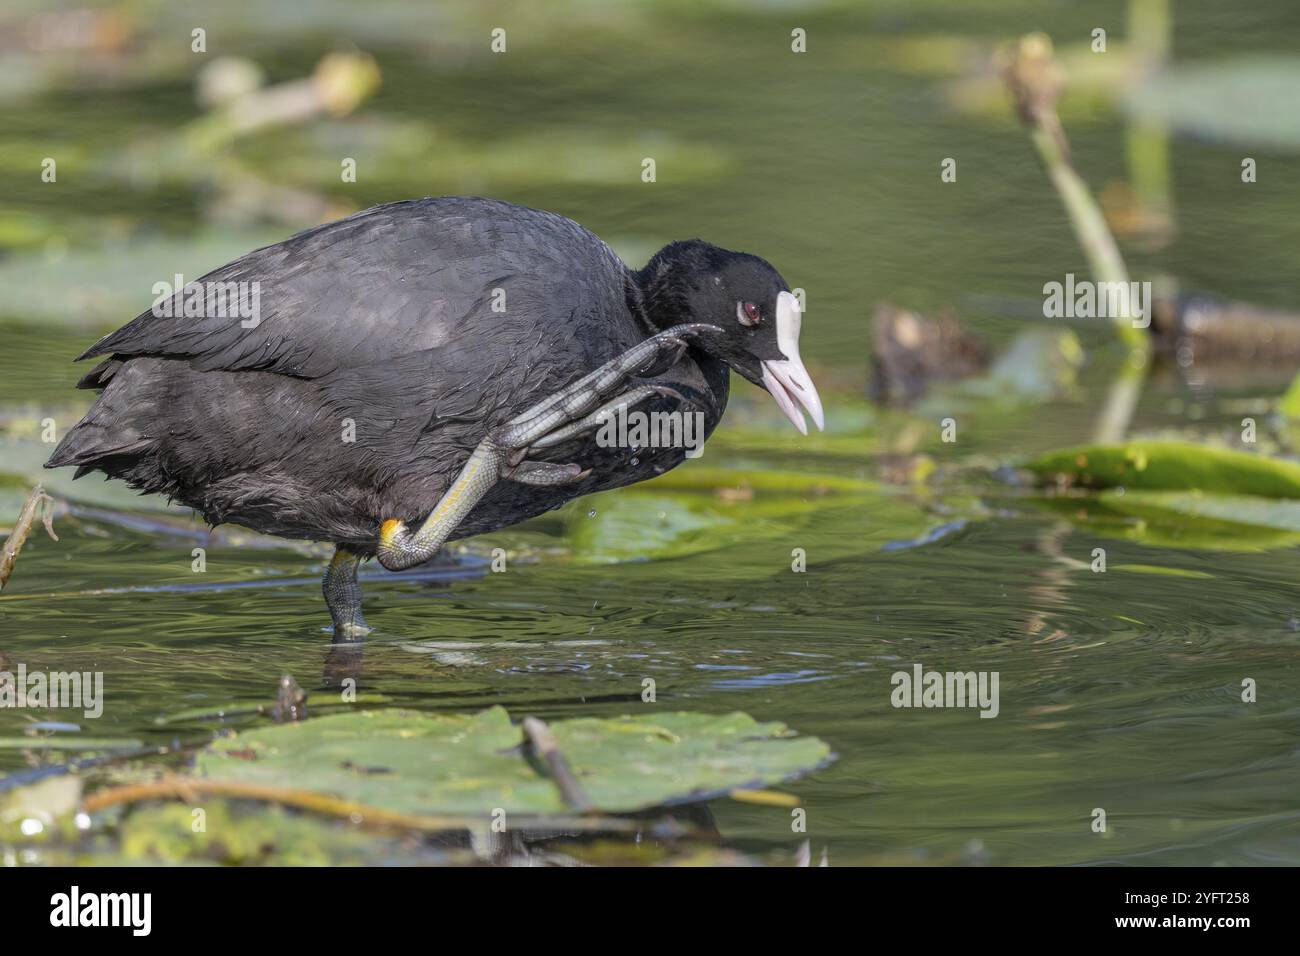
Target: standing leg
{"x":343,"y":594}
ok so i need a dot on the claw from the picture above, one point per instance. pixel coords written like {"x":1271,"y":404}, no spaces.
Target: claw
{"x":596,"y":418}
{"x":663,"y":391}
{"x":544,"y":473}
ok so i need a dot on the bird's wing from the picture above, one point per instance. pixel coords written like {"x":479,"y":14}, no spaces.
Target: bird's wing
{"x":393,"y":280}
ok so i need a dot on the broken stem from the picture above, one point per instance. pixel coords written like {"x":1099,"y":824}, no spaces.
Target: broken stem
{"x":548,"y":748}
{"x":23,"y":527}
{"x":339,"y":84}
{"x":187,"y":788}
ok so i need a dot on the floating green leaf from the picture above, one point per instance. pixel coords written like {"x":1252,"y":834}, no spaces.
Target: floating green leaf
{"x":752,"y":514}
{"x":1170,"y":466}
{"x":115,"y":279}
{"x":1233,"y":101}
{"x":419,"y":763}
{"x":635,"y":762}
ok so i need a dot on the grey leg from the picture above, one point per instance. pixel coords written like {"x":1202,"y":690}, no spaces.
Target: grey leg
{"x":648,"y":358}
{"x":594,"y":420}
{"x":502,"y":453}
{"x":343,"y":594}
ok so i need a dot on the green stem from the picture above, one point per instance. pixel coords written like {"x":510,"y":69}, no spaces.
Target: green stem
{"x":1104,"y":259}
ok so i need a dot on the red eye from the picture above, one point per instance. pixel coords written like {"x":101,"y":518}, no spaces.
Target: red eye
{"x":748,"y":314}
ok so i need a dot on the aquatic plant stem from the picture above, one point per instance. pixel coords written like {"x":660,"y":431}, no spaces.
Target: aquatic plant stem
{"x":187,"y":788}
{"x":1149,"y":38}
{"x":1121,"y":401}
{"x":1095,"y":238}
{"x":22,"y":528}
{"x":547,"y":747}
{"x":1035,"y":83}
{"x":338,"y":85}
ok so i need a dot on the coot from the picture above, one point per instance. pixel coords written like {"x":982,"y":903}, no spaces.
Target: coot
{"x":428,"y":370}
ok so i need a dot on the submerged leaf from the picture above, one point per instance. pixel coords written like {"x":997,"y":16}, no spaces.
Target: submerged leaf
{"x":242,"y":835}
{"x":1037,"y":365}
{"x":1161,"y":570}
{"x":1183,"y":519}
{"x":1256,"y":512}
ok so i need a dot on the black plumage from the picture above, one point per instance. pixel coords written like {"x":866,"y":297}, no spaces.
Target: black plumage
{"x":425,"y":325}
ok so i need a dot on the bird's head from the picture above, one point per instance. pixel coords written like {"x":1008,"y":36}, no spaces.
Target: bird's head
{"x":759,"y":318}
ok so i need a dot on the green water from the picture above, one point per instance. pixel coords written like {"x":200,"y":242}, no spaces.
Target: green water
{"x":1119,"y":690}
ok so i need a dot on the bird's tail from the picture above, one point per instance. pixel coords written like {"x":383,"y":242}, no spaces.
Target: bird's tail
{"x":107,"y":438}
{"x":89,"y":445}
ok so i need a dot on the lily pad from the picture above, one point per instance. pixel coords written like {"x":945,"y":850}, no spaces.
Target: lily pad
{"x":1234,"y":101}
{"x":418,"y":763}
{"x":1171,"y":466}
{"x":752,"y":514}
{"x":115,"y":279}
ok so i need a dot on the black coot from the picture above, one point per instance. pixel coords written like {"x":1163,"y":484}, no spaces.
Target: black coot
{"x":429,"y":370}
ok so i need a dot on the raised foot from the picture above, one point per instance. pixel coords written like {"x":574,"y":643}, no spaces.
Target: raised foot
{"x":573,"y":410}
